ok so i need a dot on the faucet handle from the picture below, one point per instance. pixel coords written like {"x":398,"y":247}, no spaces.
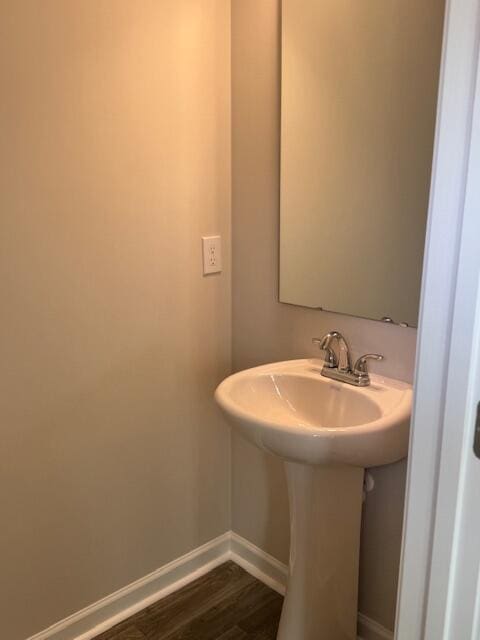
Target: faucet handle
{"x":361,"y":363}
{"x":324,"y":345}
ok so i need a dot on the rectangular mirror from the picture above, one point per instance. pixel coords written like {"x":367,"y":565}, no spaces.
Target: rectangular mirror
{"x":359,"y":93}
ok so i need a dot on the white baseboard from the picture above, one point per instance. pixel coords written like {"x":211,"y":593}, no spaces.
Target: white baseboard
{"x":106,"y":613}
{"x":273,"y":573}
{"x":368,"y":629}
{"x":259,"y":564}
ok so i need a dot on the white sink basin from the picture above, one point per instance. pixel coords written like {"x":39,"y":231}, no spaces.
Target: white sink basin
{"x":291,"y":410}
{"x":327,"y":432}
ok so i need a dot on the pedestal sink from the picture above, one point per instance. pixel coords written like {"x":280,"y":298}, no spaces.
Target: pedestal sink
{"x":327,"y":433}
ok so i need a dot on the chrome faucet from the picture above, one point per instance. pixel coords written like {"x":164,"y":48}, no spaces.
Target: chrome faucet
{"x":339,"y":367}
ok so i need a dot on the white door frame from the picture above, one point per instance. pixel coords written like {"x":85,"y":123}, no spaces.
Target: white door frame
{"x":444,"y":340}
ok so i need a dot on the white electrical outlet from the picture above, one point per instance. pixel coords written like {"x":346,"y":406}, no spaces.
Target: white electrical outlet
{"x":212,"y":254}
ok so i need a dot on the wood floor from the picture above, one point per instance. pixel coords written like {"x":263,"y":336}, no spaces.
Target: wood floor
{"x":226,"y":604}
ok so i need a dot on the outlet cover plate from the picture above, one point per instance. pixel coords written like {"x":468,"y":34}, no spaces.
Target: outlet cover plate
{"x":212,"y":254}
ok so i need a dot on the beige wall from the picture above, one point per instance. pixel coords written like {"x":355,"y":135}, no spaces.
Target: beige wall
{"x":114,"y":159}
{"x":264,"y":330}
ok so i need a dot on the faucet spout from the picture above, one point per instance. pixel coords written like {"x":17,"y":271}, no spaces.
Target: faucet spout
{"x":344,"y":359}
{"x":324,"y":344}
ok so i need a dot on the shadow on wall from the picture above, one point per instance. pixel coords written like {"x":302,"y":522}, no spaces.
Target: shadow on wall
{"x":381,"y":539}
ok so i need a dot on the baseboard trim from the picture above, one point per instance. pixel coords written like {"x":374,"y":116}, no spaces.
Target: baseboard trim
{"x":106,"y":613}
{"x":368,"y":629}
{"x":273,"y":573}
{"x":259,"y":564}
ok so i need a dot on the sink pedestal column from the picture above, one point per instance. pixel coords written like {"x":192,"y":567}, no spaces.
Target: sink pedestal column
{"x":325,"y":517}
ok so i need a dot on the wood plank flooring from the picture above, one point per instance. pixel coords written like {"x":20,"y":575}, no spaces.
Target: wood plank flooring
{"x":225,"y":604}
